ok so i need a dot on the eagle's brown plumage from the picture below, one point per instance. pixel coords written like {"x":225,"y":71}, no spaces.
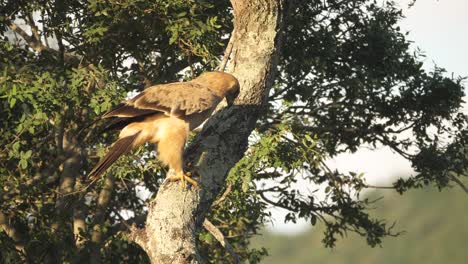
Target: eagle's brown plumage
{"x":164,"y":114}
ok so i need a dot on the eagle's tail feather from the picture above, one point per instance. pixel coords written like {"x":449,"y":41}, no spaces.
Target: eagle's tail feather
{"x":125,"y":110}
{"x":119,"y":148}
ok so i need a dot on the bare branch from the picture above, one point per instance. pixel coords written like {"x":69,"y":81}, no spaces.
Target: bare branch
{"x":458,"y":181}
{"x":379,"y":187}
{"x":36,"y":45}
{"x":394,"y":146}
{"x":221,"y":239}
{"x":34,"y":28}
{"x":223,"y":196}
{"x":227,"y":54}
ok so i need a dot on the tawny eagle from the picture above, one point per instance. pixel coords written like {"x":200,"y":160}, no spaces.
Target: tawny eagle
{"x":164,"y":114}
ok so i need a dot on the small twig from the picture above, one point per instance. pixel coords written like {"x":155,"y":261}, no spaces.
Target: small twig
{"x":221,"y":239}
{"x":79,"y":190}
{"x":122,"y":219}
{"x":459,"y":182}
{"x":223,"y":196}
{"x":379,"y":187}
{"x":227,"y":54}
{"x":17,"y":137}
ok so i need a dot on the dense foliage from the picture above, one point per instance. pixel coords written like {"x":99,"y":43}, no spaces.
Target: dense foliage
{"x":347,"y":79}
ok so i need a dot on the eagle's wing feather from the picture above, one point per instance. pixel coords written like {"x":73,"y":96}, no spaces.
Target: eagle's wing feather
{"x":176,"y":99}
{"x":127,"y":110}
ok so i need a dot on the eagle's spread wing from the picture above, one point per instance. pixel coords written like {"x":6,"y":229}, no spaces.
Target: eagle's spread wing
{"x":175,"y":99}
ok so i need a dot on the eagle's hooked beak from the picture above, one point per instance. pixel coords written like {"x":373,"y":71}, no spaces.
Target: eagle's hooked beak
{"x":230,"y":97}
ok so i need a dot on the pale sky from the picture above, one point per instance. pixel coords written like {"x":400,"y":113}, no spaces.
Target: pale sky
{"x":440,"y":29}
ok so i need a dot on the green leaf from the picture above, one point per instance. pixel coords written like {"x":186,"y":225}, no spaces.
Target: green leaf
{"x":23,"y":163}
{"x":12,"y":102}
{"x":313,"y":219}
{"x":16,"y":146}
{"x":174,"y":37}
{"x":27,"y":155}
{"x":246,"y":181}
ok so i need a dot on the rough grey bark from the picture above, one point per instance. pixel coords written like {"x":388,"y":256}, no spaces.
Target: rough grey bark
{"x":101,"y":207}
{"x":65,"y":206}
{"x":175,"y":216}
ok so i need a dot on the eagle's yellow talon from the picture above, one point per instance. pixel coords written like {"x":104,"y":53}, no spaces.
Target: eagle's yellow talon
{"x":184,"y":178}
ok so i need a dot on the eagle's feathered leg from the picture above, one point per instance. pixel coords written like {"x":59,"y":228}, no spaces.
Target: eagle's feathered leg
{"x":171,"y":142}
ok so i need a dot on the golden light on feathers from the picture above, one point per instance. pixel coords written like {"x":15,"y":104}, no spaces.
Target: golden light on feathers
{"x":164,"y":114}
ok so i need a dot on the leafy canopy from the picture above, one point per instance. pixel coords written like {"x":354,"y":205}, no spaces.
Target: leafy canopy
{"x":347,"y":78}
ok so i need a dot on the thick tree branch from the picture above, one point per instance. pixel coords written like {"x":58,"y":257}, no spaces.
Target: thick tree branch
{"x":139,"y":236}
{"x":37,"y":45}
{"x":34,"y":28}
{"x":79,"y":223}
{"x":176,"y":216}
{"x":101,"y":207}
{"x":71,"y":170}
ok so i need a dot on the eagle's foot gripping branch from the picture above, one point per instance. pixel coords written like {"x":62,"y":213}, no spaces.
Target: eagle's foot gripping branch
{"x":184,"y":178}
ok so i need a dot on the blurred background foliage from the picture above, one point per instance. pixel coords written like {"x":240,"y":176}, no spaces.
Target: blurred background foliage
{"x":434,"y":225}
{"x":347,"y":79}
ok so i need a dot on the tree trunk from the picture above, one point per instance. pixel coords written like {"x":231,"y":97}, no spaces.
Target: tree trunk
{"x":175,"y":216}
